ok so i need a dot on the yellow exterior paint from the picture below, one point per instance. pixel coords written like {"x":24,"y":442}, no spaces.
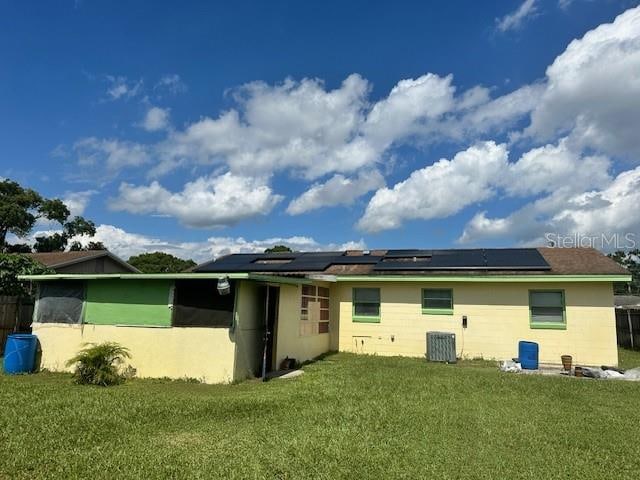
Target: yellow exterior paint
{"x":289,"y":342}
{"x":203,"y":353}
{"x":498,"y":317}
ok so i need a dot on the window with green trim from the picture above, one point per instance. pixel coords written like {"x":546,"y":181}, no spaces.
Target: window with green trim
{"x":547,"y":309}
{"x":438,"y":301}
{"x":366,"y":305}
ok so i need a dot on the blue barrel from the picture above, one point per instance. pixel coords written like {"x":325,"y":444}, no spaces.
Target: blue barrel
{"x":20,"y":353}
{"x":528,"y":355}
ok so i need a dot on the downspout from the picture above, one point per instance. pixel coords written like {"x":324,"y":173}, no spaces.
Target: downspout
{"x":630,"y":327}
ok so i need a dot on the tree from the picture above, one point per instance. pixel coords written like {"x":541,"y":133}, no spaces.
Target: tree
{"x":160,"y":262}
{"x":278,"y":248}
{"x":78,"y":247}
{"x":13,"y":265}
{"x":631,"y":261}
{"x":21,"y":208}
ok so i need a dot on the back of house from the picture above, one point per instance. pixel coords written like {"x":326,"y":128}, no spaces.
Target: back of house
{"x":299,"y":305}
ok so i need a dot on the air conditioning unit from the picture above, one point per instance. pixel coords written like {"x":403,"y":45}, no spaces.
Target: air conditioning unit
{"x":441,"y":347}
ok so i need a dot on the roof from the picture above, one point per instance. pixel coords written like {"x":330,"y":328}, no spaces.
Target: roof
{"x":166,"y":276}
{"x":627,"y":302}
{"x":62,"y":259}
{"x":460,"y":262}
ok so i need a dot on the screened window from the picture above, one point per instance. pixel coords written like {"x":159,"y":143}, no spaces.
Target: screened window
{"x":437,"y":301}
{"x":60,"y":302}
{"x":547,"y":309}
{"x":197,"y":303}
{"x":314,"y":310}
{"x":366,"y":305}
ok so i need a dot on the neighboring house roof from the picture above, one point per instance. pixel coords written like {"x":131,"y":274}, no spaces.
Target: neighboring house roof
{"x":62,"y":259}
{"x":627,"y":302}
{"x":467,"y":262}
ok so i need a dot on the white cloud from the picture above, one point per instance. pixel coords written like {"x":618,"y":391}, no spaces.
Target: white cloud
{"x":207,"y":202}
{"x":409,"y":102}
{"x":125,"y":244}
{"x":120,"y":87}
{"x":156,"y":119}
{"x":593,"y":92}
{"x":77,"y":202}
{"x":338,"y":190}
{"x":608,"y":211}
{"x":309,"y":131}
{"x":110,"y":155}
{"x":553,"y":168}
{"x":171,"y":83}
{"x":515,"y":19}
{"x":439,"y":190}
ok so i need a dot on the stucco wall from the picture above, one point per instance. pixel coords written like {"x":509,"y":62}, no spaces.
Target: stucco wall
{"x":289,"y":342}
{"x":203,"y":353}
{"x":498,"y":317}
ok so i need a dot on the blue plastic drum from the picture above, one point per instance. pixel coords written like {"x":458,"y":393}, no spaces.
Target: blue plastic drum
{"x":528,"y":355}
{"x":20,"y":353}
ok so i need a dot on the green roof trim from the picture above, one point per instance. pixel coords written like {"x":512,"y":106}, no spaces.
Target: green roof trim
{"x":484,"y":278}
{"x":167,"y":276}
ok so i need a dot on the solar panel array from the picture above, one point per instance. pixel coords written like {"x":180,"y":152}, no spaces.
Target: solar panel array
{"x":392,"y":260}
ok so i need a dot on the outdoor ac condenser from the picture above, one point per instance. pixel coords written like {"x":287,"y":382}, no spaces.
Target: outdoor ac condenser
{"x":441,"y":347}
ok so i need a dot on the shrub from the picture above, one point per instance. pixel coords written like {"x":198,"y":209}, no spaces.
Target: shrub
{"x":99,"y":364}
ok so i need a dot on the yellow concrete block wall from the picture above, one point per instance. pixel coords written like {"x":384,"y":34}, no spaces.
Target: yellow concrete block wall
{"x":498,"y":317}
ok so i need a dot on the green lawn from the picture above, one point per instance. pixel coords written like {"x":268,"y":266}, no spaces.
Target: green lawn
{"x":347,"y":417}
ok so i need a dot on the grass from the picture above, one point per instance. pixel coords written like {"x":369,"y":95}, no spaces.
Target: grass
{"x":628,"y":358}
{"x":348,"y":417}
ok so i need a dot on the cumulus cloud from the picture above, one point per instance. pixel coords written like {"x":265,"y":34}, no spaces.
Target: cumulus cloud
{"x":125,"y":244}
{"x":592,"y":90}
{"x":77,"y":202}
{"x":338,"y":190}
{"x":308,"y":130}
{"x":439,"y":190}
{"x":208,"y":202}
{"x":515,"y":19}
{"x":156,"y":119}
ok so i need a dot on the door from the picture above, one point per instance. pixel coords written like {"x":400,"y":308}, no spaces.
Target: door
{"x":270,"y":297}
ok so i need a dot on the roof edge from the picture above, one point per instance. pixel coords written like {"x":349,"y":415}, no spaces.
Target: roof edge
{"x":484,"y":278}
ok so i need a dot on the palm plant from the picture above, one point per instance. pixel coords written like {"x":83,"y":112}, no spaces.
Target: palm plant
{"x":99,"y":364}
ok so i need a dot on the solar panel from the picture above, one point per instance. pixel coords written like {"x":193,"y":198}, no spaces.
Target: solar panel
{"x":394,"y":260}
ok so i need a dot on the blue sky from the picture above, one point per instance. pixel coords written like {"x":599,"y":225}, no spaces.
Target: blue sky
{"x":201,"y":128}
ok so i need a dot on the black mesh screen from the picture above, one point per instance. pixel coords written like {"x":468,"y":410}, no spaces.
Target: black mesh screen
{"x":60,"y":302}
{"x":197,"y":303}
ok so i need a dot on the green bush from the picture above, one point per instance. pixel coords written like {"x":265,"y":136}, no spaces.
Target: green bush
{"x":99,"y":364}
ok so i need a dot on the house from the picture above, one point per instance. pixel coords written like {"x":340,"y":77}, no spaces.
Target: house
{"x":91,"y":261}
{"x":242,"y":315}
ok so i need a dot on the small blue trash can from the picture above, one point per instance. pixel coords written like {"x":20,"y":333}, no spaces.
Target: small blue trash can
{"x":20,"y":353}
{"x":528,"y":355}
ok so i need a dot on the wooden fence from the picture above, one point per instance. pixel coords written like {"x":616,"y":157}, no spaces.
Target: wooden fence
{"x":15,"y":316}
{"x":628,"y":328}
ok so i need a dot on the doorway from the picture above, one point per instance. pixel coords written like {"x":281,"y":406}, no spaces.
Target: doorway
{"x":269,"y":296}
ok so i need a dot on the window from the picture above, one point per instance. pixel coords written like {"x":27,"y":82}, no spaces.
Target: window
{"x":366,"y":305}
{"x":314,"y":310}
{"x":437,"y":301}
{"x":547,"y":309}
{"x":197,"y":303}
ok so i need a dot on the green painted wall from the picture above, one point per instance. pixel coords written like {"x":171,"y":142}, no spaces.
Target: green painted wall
{"x":128,"y":302}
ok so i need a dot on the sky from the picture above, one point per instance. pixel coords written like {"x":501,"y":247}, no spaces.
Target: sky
{"x":205,"y":128}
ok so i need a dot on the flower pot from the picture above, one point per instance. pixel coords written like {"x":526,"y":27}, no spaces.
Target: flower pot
{"x":566,"y":362}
